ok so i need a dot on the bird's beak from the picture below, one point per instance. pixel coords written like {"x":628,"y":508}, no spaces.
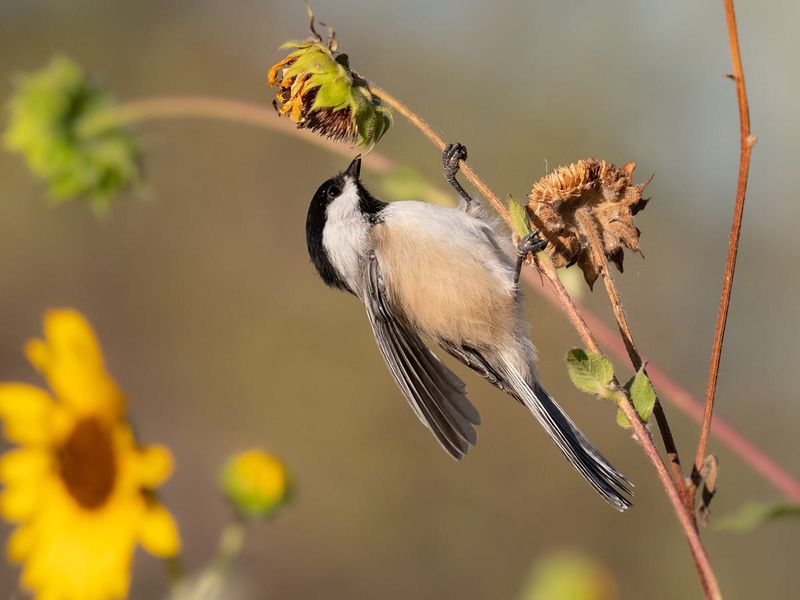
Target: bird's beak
{"x":354,"y":170}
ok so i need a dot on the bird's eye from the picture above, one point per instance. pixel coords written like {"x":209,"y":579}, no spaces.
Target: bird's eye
{"x":333,"y":191}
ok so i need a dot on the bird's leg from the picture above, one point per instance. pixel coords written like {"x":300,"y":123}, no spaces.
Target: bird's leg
{"x":451,"y":157}
{"x":533,"y":242}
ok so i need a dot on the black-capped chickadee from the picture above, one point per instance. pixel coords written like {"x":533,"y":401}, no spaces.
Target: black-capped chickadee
{"x":448,"y":274}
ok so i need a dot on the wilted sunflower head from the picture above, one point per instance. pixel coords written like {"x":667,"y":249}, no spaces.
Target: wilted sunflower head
{"x":319,"y":91}
{"x":585,"y":201}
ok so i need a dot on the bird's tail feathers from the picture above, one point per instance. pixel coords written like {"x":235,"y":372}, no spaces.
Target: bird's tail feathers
{"x":593,"y":466}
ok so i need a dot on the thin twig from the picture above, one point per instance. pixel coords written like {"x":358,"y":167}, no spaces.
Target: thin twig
{"x":726,"y":433}
{"x":431,"y":134}
{"x":745,"y":149}
{"x":250,"y":114}
{"x":702,"y":564}
{"x":589,"y":231}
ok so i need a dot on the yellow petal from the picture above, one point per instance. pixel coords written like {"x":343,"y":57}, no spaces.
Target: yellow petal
{"x":24,"y":464}
{"x":25,"y":411}
{"x":154,"y":466}
{"x":159,"y":534}
{"x":69,"y":334}
{"x":19,"y":502}
{"x":71,"y":360}
{"x":20,"y":544}
{"x":272,"y":74}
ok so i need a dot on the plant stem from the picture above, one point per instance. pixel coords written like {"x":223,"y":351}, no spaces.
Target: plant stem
{"x":175,"y":571}
{"x":211,"y":583}
{"x":702,"y":564}
{"x":745,"y":149}
{"x":589,"y":231}
{"x":136,"y":111}
{"x":708,"y":579}
{"x":234,"y":111}
{"x":431,"y":134}
{"x":726,"y":433}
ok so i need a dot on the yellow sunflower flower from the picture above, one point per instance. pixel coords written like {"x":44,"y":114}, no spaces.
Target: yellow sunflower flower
{"x":78,"y":485}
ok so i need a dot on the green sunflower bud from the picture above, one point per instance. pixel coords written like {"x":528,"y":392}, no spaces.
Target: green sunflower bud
{"x":318,"y":91}
{"x":256,"y":483}
{"x":53,"y":118}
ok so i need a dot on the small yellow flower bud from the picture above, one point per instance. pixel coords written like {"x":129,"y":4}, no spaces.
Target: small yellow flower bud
{"x":256,"y":483}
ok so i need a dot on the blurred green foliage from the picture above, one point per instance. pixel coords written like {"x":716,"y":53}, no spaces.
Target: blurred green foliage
{"x":569,"y":576}
{"x":56,"y":117}
{"x":406,"y":183}
{"x":755,"y":514}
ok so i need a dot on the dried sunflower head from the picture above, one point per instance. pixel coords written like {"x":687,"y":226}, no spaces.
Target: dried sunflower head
{"x":318,"y":91}
{"x":583,"y":202}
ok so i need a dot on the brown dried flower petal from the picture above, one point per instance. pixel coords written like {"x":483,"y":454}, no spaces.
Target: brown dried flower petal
{"x":585,"y":200}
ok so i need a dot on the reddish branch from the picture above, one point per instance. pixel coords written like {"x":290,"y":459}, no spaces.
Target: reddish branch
{"x":590,"y":233}
{"x":745,"y":149}
{"x":685,"y":517}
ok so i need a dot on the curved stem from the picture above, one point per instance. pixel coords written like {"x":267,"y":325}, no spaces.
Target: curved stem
{"x":431,"y":134}
{"x":234,"y":111}
{"x":746,"y":143}
{"x":589,"y":230}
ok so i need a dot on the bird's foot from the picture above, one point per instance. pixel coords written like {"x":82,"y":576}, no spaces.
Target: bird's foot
{"x":451,"y":157}
{"x":531,"y":243}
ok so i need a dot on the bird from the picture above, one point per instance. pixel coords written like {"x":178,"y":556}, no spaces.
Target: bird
{"x":448,"y":275}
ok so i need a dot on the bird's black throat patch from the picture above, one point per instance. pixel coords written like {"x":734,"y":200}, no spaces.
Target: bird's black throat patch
{"x":370,"y":206}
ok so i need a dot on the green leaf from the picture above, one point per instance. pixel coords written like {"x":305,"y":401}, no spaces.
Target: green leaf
{"x":405,"y":183}
{"x":591,"y":373}
{"x":754,"y":514}
{"x":644,"y":398}
{"x":519,"y":217}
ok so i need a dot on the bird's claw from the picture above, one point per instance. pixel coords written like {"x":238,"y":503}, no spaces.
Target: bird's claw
{"x":451,"y":157}
{"x":532,"y":242}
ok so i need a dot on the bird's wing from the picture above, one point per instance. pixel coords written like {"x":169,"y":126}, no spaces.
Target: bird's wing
{"x":436,"y":394}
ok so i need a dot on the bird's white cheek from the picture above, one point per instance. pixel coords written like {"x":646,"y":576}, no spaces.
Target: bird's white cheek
{"x":346,"y":245}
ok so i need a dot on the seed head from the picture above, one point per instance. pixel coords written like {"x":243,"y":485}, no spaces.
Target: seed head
{"x":317,"y":90}
{"x":588,"y":194}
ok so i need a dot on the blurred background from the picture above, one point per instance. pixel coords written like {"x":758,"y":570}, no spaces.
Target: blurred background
{"x":217,"y":327}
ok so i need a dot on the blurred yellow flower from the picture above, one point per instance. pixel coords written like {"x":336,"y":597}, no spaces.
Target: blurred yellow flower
{"x":79,"y":486}
{"x":256,"y":483}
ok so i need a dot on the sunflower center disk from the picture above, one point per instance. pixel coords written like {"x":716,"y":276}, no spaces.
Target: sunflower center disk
{"x":87,"y":464}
